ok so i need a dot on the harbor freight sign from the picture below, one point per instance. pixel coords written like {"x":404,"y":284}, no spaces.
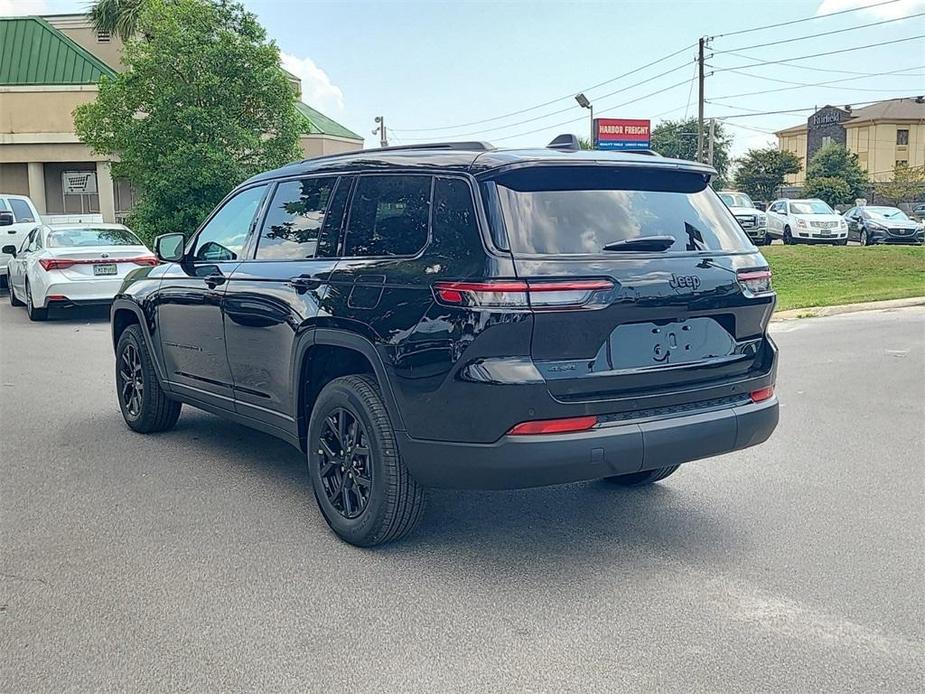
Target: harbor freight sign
{"x":621,"y":133}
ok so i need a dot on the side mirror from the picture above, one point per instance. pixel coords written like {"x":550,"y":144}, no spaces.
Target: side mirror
{"x":9,"y":249}
{"x":169,"y":247}
{"x":6,"y":218}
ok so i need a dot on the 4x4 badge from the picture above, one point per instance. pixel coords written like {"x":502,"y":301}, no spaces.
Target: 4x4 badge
{"x":684,"y":281}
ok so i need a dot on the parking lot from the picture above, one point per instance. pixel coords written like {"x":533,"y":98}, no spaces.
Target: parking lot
{"x":197,"y":559}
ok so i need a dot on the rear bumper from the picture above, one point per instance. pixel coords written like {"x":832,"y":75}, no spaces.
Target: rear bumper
{"x":514,"y":462}
{"x":83,"y":292}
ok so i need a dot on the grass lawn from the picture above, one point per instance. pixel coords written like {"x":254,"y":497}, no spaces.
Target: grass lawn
{"x":807,"y":276}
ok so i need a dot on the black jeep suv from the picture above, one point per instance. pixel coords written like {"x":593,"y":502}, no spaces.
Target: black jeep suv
{"x":460,"y":316}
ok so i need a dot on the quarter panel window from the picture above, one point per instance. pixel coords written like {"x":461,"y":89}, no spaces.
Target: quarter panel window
{"x":389,"y":216}
{"x":224,"y":235}
{"x":294,"y":219}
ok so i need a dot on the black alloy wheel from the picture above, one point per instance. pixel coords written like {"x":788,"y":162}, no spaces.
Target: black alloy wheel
{"x":131,"y":380}
{"x":345,"y":463}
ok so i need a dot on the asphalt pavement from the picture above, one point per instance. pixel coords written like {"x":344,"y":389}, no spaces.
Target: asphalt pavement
{"x":196,"y":560}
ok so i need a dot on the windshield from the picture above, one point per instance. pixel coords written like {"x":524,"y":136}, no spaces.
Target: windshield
{"x":809,"y":207}
{"x":736,"y":199}
{"x":886,"y":213}
{"x":90,"y":238}
{"x":552,"y":210}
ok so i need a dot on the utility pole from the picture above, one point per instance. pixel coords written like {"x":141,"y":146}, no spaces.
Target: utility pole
{"x":380,"y":129}
{"x":700,"y":100}
{"x":710,"y":143}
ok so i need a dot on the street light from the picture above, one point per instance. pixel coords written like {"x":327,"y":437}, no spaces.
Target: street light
{"x":584,"y":103}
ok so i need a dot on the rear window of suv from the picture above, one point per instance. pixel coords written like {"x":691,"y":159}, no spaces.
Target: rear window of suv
{"x":578,"y":210}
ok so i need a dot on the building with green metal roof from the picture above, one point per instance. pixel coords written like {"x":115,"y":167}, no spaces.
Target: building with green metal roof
{"x":50,"y":65}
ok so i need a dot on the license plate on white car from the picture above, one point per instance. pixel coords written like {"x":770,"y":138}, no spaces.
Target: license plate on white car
{"x":105,"y":269}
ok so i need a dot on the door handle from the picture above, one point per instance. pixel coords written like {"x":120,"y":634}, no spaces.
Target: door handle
{"x":303,"y":284}
{"x":212,"y":281}
{"x":10,"y":231}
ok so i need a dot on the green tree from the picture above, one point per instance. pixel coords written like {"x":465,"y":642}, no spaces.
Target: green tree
{"x":678,"y":139}
{"x":761,"y":171}
{"x":832,"y":189}
{"x":908,"y":184}
{"x":836,"y":161}
{"x":116,"y":16}
{"x":202,"y":106}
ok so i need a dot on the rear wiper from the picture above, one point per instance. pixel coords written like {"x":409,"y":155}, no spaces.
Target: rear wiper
{"x":642,"y":243}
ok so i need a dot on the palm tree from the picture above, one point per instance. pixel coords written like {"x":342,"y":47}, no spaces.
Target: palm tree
{"x":116,"y":16}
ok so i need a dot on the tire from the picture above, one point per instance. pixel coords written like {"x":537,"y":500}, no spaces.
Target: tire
{"x":36,"y":314}
{"x":864,"y":238}
{"x":152,"y":410}
{"x":639,"y":479}
{"x":14,"y":300}
{"x":349,"y":412}
{"x":788,"y":237}
{"x":767,"y":239}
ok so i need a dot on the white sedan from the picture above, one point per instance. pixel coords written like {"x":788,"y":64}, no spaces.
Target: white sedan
{"x":73,"y":265}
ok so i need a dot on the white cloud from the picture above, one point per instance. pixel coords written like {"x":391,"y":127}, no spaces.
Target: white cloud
{"x":893,"y":10}
{"x":317,"y":89}
{"x":9,"y":8}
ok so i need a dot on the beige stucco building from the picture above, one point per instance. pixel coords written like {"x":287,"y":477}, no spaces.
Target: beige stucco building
{"x":883,"y":135}
{"x":54,"y":66}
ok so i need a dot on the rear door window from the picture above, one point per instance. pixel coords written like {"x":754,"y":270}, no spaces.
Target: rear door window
{"x":292,"y":226}
{"x":389,"y":216}
{"x":21,"y":210}
{"x":579,"y":210}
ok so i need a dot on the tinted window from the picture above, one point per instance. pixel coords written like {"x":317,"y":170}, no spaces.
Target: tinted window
{"x":82,"y":237}
{"x":455,"y":229}
{"x":224,"y":235}
{"x":389,"y":216}
{"x":294,"y":218}
{"x":580,"y":210}
{"x":21,"y":210}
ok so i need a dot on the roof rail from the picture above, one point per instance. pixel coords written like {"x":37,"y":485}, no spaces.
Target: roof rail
{"x":473,"y":146}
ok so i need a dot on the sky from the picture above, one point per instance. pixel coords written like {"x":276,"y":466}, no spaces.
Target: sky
{"x":439,"y":71}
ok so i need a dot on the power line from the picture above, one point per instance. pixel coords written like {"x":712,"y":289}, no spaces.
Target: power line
{"x":824,"y":33}
{"x":801,"y":85}
{"x":581,"y":118}
{"x":805,"y":19}
{"x":752,"y":112}
{"x":757,"y":62}
{"x":569,"y":108}
{"x":817,"y":55}
{"x":551,"y":101}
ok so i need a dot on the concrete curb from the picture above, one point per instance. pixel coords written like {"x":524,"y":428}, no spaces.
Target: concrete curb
{"x":816,"y":311}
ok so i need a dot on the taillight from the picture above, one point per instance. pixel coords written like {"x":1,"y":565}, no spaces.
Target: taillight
{"x":755,"y":281}
{"x":762,"y":394}
{"x":56,"y":263}
{"x":522,"y":294}
{"x":64,"y":263}
{"x":554,"y":426}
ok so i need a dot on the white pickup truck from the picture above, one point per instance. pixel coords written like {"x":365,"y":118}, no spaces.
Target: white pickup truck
{"x":752,"y":220}
{"x":18,"y":217}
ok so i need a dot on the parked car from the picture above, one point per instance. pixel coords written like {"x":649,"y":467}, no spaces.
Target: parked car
{"x":749,"y":217}
{"x":459,"y":316}
{"x":73,"y":265}
{"x":22,"y":218}
{"x":918,"y":211}
{"x":806,"y":221}
{"x":872,"y":224}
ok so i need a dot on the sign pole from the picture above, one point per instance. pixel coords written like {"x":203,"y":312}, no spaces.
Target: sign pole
{"x":700,"y":100}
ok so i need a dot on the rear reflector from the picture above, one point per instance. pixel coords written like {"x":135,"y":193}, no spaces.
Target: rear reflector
{"x":56,"y":297}
{"x":554,"y":426}
{"x":762,"y":394}
{"x":755,"y":281}
{"x":538,"y":294}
